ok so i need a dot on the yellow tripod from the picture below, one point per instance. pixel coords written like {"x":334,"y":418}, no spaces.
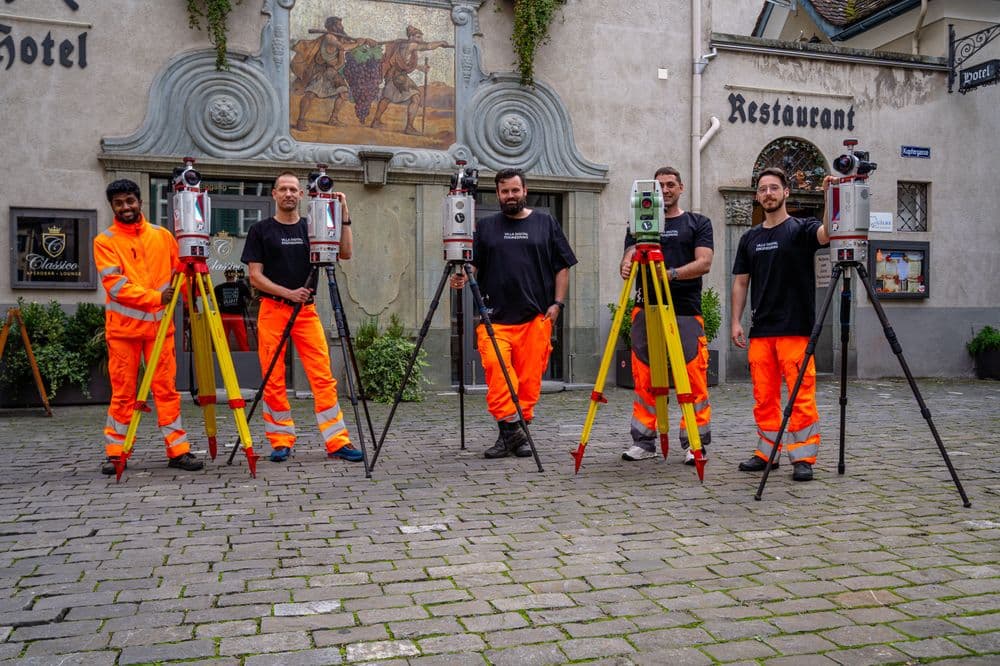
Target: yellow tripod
{"x":661,"y":326}
{"x":206,"y":332}
{"x":14,"y":314}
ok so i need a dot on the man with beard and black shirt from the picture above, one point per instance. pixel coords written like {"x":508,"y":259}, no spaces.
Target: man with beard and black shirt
{"x":522,"y":261}
{"x":277,"y":254}
{"x":687,"y":245}
{"x":776,"y":257}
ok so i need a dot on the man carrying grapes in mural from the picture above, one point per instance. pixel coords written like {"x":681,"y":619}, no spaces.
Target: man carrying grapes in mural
{"x":399,"y":62}
{"x":318,"y":64}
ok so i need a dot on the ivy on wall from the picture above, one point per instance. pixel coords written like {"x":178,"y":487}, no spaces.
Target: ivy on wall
{"x":531,"y":28}
{"x":215,"y":14}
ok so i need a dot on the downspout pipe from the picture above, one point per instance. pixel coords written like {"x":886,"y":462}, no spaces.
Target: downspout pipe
{"x":699,"y":62}
{"x":920,"y":25}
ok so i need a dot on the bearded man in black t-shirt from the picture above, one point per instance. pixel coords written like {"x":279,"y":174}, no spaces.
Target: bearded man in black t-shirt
{"x":775,"y":261}
{"x":687,"y":245}
{"x":521,"y":259}
{"x":277,"y":254}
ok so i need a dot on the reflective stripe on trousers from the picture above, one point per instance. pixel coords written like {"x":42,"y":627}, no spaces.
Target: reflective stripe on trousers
{"x":309,"y":339}
{"x":525,"y":350}
{"x":695,"y":346}
{"x":775,"y":361}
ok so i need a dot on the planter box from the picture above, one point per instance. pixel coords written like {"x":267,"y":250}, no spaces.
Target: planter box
{"x":623,"y":369}
{"x":713,"y":367}
{"x":988,"y":364}
{"x":27,"y":395}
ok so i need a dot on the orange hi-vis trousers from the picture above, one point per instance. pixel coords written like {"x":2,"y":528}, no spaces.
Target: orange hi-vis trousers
{"x":233,"y":323}
{"x":772,"y":360}
{"x":310,"y":342}
{"x":525,"y":349}
{"x":123,"y":369}
{"x":695,"y":345}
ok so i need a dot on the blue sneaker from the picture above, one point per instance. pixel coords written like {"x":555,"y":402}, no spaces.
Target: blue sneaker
{"x":348,"y":453}
{"x":281,"y":455}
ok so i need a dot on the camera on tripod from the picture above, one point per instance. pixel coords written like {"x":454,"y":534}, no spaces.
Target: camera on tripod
{"x":848,"y":205}
{"x":323,"y":219}
{"x":647,"y":211}
{"x":458,"y":222}
{"x":192,"y":212}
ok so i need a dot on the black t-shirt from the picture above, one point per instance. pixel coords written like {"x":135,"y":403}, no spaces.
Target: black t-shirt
{"x":233,"y":297}
{"x":779,"y":261}
{"x":283,"y":249}
{"x":680,"y":236}
{"x":516,"y":264}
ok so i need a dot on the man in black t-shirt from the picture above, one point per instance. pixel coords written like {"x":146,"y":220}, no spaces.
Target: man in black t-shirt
{"x":687,"y":245}
{"x":775,"y":260}
{"x":233,"y":297}
{"x":522,"y":261}
{"x":277,"y":254}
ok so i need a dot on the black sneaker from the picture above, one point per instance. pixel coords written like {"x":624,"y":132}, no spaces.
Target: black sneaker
{"x":186,"y":462}
{"x":756,"y":464}
{"x":802,"y":471}
{"x":108,"y":467}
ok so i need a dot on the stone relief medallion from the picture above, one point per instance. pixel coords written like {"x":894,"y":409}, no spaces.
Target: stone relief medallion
{"x":513,"y":129}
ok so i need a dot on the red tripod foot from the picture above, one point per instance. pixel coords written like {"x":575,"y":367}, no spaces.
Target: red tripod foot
{"x":664,"y":444}
{"x":212,"y":447}
{"x":577,"y":457}
{"x":120,"y":465}
{"x":699,"y":463}
{"x":251,"y":461}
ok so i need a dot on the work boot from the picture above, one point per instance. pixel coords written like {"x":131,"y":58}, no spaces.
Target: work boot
{"x":186,"y":462}
{"x":108,"y":467}
{"x":280,"y":454}
{"x":802,"y":471}
{"x":756,"y":464}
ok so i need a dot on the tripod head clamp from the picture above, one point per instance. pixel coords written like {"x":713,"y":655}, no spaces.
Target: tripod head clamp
{"x":458,"y":220}
{"x":323,"y":219}
{"x":192,"y":213}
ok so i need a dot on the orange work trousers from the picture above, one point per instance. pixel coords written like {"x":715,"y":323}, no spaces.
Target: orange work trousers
{"x":525,"y":350}
{"x":695,"y":345}
{"x":123,"y":369}
{"x":310,"y":341}
{"x":772,"y":360}
{"x":233,"y":323}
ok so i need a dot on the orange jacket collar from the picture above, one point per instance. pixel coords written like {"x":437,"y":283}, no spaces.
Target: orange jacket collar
{"x":136,"y":228}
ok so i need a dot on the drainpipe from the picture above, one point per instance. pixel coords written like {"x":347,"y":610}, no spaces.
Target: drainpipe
{"x":700,"y":61}
{"x":920,"y":24}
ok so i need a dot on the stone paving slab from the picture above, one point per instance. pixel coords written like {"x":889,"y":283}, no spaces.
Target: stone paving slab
{"x":443,"y":557}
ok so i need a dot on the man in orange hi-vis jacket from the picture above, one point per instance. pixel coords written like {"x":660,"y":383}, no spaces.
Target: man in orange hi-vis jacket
{"x":522,"y":261}
{"x":136,"y":261}
{"x":775,"y":260}
{"x":277,"y":254}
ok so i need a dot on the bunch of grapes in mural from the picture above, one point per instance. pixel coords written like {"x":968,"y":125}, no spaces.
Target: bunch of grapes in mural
{"x":363,"y":71}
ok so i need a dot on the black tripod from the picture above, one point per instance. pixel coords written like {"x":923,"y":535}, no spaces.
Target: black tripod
{"x":484,"y":315}
{"x":844,"y":268}
{"x":346,"y":347}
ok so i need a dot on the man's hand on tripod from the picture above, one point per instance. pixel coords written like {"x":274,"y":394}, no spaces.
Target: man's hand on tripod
{"x":167,"y":294}
{"x":300,"y":295}
{"x":458,"y":280}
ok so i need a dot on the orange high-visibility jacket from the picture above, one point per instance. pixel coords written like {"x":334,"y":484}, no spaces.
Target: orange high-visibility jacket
{"x":136,"y":264}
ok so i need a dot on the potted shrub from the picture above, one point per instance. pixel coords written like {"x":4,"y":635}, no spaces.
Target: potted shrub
{"x":623,"y":350}
{"x":383,"y":358}
{"x":711,"y":312}
{"x":985,"y":349}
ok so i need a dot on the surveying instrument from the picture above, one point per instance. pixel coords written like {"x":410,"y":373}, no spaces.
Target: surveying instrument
{"x":647,"y":219}
{"x":192,"y":225}
{"x":458,"y":226}
{"x":848,"y":208}
{"x":324,"y":223}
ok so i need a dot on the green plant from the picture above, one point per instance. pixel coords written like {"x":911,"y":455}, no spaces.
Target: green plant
{"x":531,"y":28}
{"x":383,"y":358}
{"x":711,"y":312}
{"x":986,"y":339}
{"x":215,"y":14}
{"x":625,"y":332}
{"x":65,"y":347}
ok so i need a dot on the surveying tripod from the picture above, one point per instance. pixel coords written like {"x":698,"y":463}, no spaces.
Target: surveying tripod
{"x":477,"y":296}
{"x":843,"y":269}
{"x":664,"y":341}
{"x":207,"y":333}
{"x":14,"y":315}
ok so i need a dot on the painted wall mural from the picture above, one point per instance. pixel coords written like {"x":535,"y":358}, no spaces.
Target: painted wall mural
{"x":372,"y":73}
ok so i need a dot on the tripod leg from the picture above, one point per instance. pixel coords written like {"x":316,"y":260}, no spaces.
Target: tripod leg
{"x":810,"y":349}
{"x":485,"y":317}
{"x":147,"y":378}
{"x":460,"y":316}
{"x":897,"y":349}
{"x":285,"y":335}
{"x":413,"y":359}
{"x":845,"y":337}
{"x":204,"y":368}
{"x":226,"y":367}
{"x":350,"y":363}
{"x":597,"y":395}
{"x":656,"y":340}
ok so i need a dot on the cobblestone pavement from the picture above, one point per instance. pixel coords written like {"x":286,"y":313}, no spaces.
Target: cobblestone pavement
{"x":444,"y":557}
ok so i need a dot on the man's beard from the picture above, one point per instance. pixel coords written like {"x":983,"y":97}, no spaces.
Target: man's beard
{"x":771,"y":207}
{"x":514,"y":207}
